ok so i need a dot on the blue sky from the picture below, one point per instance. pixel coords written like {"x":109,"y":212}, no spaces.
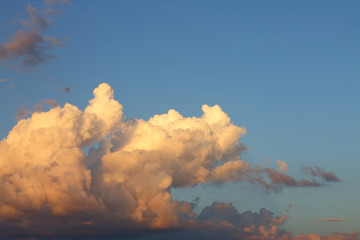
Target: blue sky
{"x":287,"y":71}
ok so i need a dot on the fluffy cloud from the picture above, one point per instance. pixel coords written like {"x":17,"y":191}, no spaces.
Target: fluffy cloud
{"x":124,"y":185}
{"x":42,"y":163}
{"x":30,"y":46}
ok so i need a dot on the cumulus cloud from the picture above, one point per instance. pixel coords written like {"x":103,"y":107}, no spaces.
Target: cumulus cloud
{"x":124,"y":185}
{"x":42,"y":163}
{"x":30,"y":45}
{"x":330,"y":220}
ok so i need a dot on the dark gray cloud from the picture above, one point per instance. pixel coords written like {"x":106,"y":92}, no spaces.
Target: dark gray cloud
{"x":216,"y":221}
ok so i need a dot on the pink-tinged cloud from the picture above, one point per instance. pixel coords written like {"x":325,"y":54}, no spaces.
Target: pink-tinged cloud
{"x":27,"y":45}
{"x":334,"y":236}
{"x":330,"y":220}
{"x":51,"y":188}
{"x":319,"y":172}
{"x":38,"y":107}
{"x":4,"y":80}
{"x":30,"y":46}
{"x":269,"y":178}
{"x":282,"y":166}
{"x":51,"y":102}
{"x":22,"y":112}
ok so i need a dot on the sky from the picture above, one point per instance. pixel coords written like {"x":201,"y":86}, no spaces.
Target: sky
{"x":179,"y":119}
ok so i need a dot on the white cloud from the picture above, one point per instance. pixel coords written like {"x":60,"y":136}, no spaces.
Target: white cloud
{"x":127,"y":180}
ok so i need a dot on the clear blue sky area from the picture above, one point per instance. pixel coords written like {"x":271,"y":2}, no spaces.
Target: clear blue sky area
{"x":287,"y":71}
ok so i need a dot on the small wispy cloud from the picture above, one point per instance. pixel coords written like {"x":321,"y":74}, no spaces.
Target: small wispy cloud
{"x":65,"y":89}
{"x":4,"y":79}
{"x":330,"y":220}
{"x":289,"y":208}
{"x":30,"y":45}
{"x":51,"y":102}
{"x":24,"y":112}
{"x":319,"y":172}
{"x":66,"y":2}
